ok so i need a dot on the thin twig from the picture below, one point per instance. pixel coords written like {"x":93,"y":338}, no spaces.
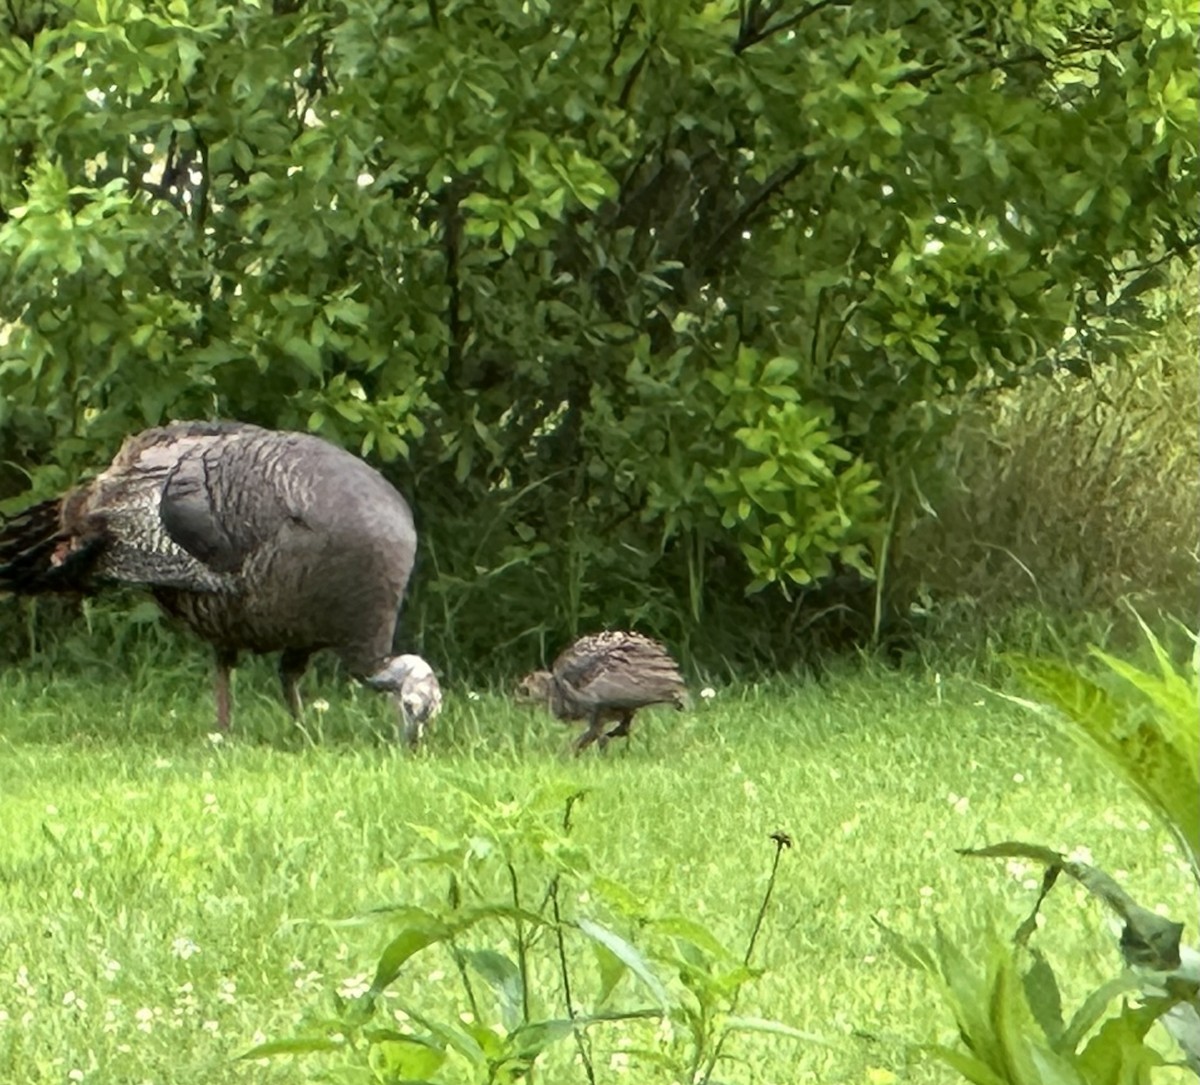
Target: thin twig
{"x":566,"y":976}
{"x":522,"y":961}
{"x":781,"y":840}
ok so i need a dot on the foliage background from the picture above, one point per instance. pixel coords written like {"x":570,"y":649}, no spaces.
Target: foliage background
{"x":661,"y":313}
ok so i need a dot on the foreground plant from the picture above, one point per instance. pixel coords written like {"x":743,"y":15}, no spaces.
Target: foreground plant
{"x":531,"y":976}
{"x":1006,"y":1001}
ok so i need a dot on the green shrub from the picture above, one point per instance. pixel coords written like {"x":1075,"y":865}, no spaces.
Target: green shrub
{"x":534,"y":973}
{"x":1006,"y":1001}
{"x":646,"y":305}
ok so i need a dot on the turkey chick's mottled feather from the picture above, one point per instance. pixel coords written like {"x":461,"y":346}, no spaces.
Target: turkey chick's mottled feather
{"x":603,"y":677}
{"x":257,"y":540}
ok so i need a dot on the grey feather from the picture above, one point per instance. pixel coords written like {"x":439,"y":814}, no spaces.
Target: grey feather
{"x":256,"y":540}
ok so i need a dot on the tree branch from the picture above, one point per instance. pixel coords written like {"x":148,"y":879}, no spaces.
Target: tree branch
{"x":619,"y":42}
{"x":779,"y":180}
{"x":755,"y":26}
{"x":1029,"y":56}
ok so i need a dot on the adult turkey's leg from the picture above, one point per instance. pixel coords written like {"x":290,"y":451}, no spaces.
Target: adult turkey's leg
{"x":292,"y":665}
{"x":226,"y":661}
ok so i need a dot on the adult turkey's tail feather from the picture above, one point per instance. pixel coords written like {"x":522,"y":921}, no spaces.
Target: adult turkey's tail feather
{"x":37,"y":555}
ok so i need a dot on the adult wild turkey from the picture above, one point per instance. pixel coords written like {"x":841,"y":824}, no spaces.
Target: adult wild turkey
{"x":605,"y":677}
{"x":256,"y":540}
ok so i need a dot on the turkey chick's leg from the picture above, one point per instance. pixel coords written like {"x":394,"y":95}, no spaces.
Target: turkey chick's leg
{"x":622,"y":728}
{"x":225,"y":662}
{"x":292,"y":665}
{"x":594,"y":731}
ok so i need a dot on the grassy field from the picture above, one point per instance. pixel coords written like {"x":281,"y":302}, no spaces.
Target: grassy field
{"x":165,"y":900}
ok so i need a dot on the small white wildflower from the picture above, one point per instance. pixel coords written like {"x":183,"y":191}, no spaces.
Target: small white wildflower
{"x":183,"y":948}
{"x":584,"y":897}
{"x":708,"y":693}
{"x":926,"y":892}
{"x":354,"y":986}
{"x":111,"y":968}
{"x":472,"y":695}
{"x":466,"y":1017}
{"x":210,"y":799}
{"x":75,"y":1075}
{"x":211,"y":1027}
{"x":960,"y":803}
{"x":401,"y":1017}
{"x":68,"y":999}
{"x":320,"y":706}
{"x":145,"y":1019}
{"x":227,"y":992}
{"x":1018,"y":777}
{"x":215,"y":738}
{"x":77,"y":893}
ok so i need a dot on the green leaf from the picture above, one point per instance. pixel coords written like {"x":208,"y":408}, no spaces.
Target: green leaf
{"x":422,"y":930}
{"x":298,"y":1046}
{"x":504,"y":978}
{"x":628,"y":956}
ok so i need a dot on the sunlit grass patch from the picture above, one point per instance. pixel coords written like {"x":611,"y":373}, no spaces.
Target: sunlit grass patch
{"x":166,"y":900}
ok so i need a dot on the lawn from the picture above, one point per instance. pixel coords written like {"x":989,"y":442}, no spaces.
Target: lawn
{"x":167,"y":901}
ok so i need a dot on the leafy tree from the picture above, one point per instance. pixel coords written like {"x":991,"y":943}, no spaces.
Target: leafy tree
{"x":643,"y":302}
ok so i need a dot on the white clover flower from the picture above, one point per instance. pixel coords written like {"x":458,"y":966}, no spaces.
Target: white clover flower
{"x":184,"y":947}
{"x":215,"y":738}
{"x":320,"y":706}
{"x":354,"y":986}
{"x":708,"y":693}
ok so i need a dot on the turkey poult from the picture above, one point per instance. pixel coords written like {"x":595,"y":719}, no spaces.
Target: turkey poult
{"x":256,"y":540}
{"x":606,"y":677}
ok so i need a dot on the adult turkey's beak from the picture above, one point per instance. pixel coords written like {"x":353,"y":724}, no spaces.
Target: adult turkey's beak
{"x":418,"y":696}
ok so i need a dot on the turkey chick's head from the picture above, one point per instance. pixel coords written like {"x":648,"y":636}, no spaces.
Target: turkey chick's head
{"x":535,"y":688}
{"x":411,"y":681}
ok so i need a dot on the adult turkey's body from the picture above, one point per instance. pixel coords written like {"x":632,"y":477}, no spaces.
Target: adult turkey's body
{"x":257,"y":540}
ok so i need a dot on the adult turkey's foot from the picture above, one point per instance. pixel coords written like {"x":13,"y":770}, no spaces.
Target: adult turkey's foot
{"x":414,"y":686}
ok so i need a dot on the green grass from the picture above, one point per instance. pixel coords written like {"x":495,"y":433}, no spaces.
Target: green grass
{"x":163,"y":899}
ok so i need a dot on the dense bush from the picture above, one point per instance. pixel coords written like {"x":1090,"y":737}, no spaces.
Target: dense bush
{"x":649,"y":305}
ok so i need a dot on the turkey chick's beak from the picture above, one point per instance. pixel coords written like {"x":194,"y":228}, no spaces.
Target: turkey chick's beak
{"x":411,"y":681}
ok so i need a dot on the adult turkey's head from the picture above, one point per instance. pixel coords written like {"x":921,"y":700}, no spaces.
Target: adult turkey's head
{"x":411,"y":681}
